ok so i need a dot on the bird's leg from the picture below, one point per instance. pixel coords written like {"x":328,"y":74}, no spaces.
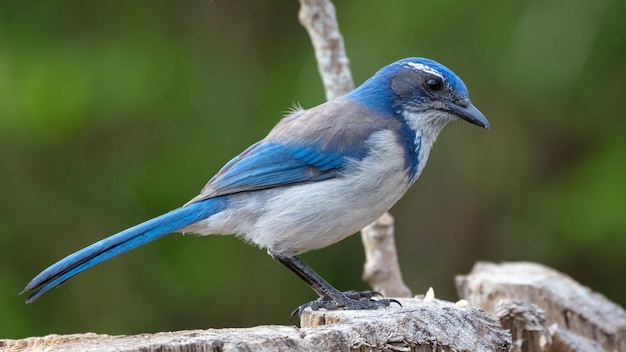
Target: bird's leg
{"x":330,"y":297}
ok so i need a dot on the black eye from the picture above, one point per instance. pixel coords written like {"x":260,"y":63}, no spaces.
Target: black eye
{"x":434,"y":84}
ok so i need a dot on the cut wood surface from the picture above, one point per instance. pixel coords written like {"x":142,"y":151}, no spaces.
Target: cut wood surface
{"x":416,"y":326}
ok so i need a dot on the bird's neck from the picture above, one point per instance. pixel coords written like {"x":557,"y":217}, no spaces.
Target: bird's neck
{"x":421,"y":131}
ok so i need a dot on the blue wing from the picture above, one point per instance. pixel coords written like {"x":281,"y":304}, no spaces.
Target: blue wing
{"x":270,"y":164}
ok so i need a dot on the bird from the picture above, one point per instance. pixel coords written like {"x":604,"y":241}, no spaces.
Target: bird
{"x":319,"y":176}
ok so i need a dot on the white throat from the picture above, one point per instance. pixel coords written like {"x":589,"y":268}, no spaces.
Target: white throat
{"x":427,"y":126}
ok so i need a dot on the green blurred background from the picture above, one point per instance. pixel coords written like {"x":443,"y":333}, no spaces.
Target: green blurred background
{"x":112,"y":112}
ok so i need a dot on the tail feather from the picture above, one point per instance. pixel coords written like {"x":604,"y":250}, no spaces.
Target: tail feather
{"x":121,"y":242}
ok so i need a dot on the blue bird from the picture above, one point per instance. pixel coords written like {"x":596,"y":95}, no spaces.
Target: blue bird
{"x":319,"y":176}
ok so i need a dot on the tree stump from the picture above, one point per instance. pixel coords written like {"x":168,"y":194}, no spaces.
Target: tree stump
{"x":545,"y":309}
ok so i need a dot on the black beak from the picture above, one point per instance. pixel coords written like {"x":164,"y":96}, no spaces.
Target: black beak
{"x":470,"y":114}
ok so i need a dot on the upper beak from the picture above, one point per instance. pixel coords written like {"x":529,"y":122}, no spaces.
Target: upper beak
{"x":470,"y":114}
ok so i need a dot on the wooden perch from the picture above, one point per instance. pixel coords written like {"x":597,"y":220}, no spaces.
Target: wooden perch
{"x":416,"y":326}
{"x":419,"y":325}
{"x":545,"y":309}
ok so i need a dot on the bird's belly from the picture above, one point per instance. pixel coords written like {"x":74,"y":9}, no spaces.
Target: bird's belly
{"x":315,"y":215}
{"x":304,"y":218}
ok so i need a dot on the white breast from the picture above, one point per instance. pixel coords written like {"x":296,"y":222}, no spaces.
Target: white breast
{"x":301,"y":218}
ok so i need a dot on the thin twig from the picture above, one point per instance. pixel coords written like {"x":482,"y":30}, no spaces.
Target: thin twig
{"x":381,"y":269}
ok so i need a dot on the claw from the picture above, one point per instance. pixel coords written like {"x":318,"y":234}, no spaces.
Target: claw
{"x":353,"y":300}
{"x":298,"y":311}
{"x":391,"y":300}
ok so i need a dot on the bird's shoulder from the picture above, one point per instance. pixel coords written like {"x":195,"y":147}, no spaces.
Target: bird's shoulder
{"x":305,"y":146}
{"x":342,"y":125}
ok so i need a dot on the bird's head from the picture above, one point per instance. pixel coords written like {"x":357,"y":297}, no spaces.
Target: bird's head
{"x":424,"y":93}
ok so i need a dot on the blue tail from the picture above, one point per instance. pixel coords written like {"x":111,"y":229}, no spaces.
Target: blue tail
{"x":122,"y":242}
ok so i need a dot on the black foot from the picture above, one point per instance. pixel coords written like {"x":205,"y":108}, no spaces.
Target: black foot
{"x":352,"y":300}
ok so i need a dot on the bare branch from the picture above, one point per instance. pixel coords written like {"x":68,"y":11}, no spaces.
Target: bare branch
{"x":320,"y":21}
{"x":382,"y":270}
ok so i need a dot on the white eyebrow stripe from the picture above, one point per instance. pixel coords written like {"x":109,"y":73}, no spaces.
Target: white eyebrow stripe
{"x":422,"y":67}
